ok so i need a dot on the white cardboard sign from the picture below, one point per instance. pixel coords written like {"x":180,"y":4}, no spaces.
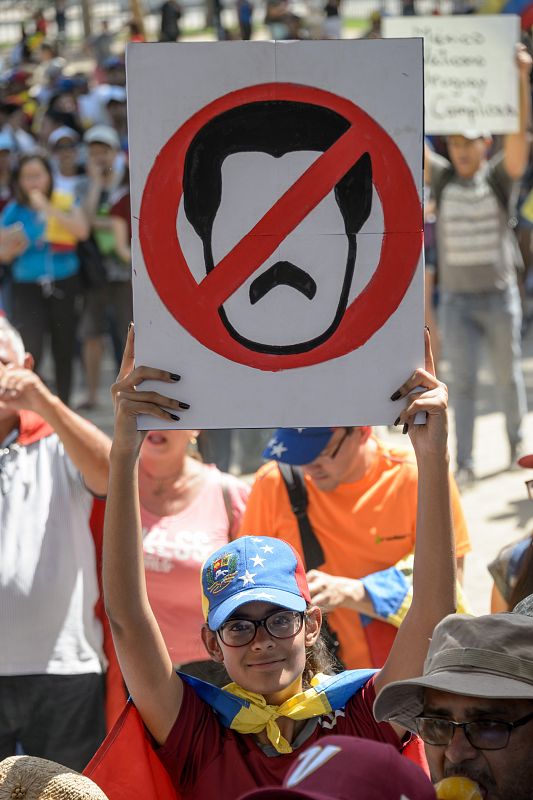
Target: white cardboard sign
{"x":277,"y":248}
{"x":470,"y":72}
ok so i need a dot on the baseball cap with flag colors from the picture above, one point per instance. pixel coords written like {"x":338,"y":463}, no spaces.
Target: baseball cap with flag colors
{"x":297,"y":445}
{"x":248,"y":569}
{"x":349,"y":768}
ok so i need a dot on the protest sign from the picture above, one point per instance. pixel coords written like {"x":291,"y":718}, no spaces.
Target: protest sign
{"x":470,"y":72}
{"x":277,"y":248}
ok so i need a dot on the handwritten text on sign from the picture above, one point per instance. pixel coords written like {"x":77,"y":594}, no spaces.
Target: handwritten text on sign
{"x":470,"y":72}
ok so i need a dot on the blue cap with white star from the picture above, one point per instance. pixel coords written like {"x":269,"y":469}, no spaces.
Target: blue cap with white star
{"x":297,"y":445}
{"x":252,"y":568}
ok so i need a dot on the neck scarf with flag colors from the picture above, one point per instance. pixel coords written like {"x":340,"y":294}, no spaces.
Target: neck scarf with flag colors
{"x":248,"y":712}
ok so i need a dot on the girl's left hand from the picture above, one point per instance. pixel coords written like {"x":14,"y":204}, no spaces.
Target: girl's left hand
{"x":430,"y":438}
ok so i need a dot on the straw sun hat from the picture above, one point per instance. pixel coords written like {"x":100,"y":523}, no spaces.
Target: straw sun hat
{"x":29,"y":778}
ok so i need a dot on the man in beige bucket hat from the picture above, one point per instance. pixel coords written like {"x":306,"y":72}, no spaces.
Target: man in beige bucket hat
{"x":473,"y":706}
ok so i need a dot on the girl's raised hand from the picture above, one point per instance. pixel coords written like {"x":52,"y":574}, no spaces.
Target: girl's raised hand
{"x":129,"y":402}
{"x":424,"y":393}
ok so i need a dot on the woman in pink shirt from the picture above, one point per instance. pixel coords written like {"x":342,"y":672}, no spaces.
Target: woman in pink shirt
{"x":188,"y":509}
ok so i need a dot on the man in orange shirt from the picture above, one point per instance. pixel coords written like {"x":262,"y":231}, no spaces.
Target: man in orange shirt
{"x":362,"y":502}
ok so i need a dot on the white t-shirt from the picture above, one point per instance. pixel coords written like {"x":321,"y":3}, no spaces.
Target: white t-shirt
{"x":48,"y":583}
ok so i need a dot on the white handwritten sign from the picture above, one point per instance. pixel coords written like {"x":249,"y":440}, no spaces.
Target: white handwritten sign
{"x":470,"y":72}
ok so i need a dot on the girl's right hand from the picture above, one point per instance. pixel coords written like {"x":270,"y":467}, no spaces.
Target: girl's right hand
{"x":129,"y":403}
{"x":39,"y":201}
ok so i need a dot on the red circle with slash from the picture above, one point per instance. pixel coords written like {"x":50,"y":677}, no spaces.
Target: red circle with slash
{"x":195,"y":305}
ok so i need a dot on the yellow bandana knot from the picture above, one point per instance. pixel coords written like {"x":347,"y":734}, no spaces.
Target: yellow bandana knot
{"x":259,"y":716}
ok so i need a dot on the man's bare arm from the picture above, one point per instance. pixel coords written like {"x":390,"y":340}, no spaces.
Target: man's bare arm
{"x":86,"y":445}
{"x":516,"y":145}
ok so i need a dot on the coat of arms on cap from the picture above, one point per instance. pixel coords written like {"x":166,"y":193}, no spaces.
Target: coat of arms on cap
{"x":221,"y":572}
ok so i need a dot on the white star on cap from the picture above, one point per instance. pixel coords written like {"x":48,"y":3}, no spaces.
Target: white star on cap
{"x":301,"y":429}
{"x":271,"y":442}
{"x":278,"y":450}
{"x":257,"y":561}
{"x":248,"y":577}
{"x":266,"y":549}
{"x":256,"y":539}
{"x":264,"y":595}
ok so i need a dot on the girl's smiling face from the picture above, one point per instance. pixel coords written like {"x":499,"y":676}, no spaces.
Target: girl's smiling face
{"x":267,"y":665}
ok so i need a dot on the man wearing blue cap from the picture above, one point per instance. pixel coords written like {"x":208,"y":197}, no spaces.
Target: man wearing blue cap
{"x":361,"y":506}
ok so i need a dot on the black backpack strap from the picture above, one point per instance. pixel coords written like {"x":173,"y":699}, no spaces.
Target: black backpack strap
{"x":296,"y":489}
{"x":312,"y":549}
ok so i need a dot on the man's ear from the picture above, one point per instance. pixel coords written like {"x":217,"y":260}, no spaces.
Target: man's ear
{"x":313,"y":623}
{"x":29,"y":361}
{"x":211,"y":644}
{"x":365,"y":432}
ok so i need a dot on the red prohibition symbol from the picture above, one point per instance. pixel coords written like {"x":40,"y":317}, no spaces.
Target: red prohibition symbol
{"x":196,"y":305}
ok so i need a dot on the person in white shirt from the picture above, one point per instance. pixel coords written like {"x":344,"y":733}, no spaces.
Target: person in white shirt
{"x":52,"y":464}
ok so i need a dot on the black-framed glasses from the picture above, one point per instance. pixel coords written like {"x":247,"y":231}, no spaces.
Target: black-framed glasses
{"x":347,"y":432}
{"x":529,"y":487}
{"x":279,"y":624}
{"x":483,"y":734}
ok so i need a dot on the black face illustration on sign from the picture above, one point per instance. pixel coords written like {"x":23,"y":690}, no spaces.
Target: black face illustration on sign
{"x":309,"y":267}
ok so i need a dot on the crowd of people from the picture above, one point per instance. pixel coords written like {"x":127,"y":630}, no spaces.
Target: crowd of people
{"x":305,"y":636}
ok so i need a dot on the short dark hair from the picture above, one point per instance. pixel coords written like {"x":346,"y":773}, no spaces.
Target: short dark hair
{"x":318,"y":660}
{"x":275,"y":127}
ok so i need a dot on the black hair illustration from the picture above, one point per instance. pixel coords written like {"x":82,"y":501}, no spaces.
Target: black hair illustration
{"x":275,"y":127}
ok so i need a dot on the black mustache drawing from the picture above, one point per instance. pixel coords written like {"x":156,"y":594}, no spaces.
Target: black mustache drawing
{"x":275,"y":127}
{"x":282,"y":273}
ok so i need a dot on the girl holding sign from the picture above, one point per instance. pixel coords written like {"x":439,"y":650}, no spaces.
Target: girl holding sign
{"x":260,"y":623}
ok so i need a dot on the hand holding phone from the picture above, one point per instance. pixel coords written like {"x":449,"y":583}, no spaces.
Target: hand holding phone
{"x":13,"y":241}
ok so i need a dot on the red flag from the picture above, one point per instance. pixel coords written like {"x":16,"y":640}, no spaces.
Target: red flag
{"x":126,"y":765}
{"x":414,"y":750}
{"x":115,"y":692}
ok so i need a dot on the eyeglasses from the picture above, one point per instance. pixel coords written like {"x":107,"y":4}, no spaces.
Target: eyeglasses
{"x":280,"y":624}
{"x":482,"y":734}
{"x":332,"y":455}
{"x":529,"y":487}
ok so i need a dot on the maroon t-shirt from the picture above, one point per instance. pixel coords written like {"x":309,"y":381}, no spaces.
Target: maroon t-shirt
{"x":122,"y":207}
{"x":205,"y":759}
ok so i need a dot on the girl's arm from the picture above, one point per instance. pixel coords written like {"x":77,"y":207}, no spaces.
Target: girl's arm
{"x":146,"y":666}
{"x":434,"y":562}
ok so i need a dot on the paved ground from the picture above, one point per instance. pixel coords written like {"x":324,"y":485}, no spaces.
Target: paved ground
{"x":497,"y":508}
